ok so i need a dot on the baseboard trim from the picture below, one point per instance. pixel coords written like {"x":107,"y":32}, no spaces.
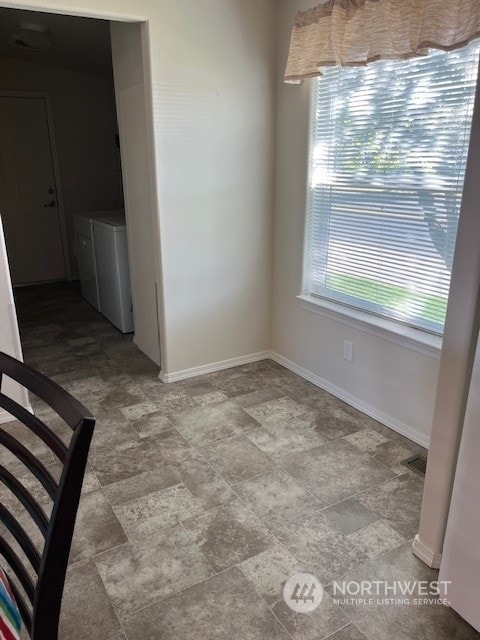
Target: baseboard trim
{"x":212,"y":367}
{"x":364,"y":407}
{"x":425,"y":554}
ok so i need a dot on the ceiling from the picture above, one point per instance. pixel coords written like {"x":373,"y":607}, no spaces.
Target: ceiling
{"x":75,"y":43}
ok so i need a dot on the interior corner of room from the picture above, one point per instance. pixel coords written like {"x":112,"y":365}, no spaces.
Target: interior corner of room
{"x":205,"y":148}
{"x":215,"y":266}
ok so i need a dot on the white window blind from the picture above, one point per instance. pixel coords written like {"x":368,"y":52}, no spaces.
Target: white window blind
{"x":389,"y":145}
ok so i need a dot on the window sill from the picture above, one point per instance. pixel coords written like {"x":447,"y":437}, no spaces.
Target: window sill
{"x":421,"y":341}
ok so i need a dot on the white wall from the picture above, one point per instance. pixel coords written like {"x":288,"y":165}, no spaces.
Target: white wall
{"x":85,"y":126}
{"x":213,"y":93}
{"x":389,"y":381}
{"x":135,"y":140}
{"x":9,"y":335}
{"x":212,"y":71}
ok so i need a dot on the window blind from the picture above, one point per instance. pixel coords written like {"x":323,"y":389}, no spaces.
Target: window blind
{"x":388,"y":151}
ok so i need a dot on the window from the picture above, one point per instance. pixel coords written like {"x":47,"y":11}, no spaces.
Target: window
{"x":389,"y":146}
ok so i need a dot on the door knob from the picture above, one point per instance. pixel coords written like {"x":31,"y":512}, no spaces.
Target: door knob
{"x":52,"y":203}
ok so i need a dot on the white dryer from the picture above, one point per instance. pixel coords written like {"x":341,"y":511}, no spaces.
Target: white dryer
{"x":104,"y":266}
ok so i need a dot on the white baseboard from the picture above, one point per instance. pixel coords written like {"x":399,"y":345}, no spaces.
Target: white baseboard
{"x":425,"y":554}
{"x":361,"y":405}
{"x":212,"y":367}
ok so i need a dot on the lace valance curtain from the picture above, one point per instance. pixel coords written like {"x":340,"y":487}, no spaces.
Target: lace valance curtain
{"x":356,"y":32}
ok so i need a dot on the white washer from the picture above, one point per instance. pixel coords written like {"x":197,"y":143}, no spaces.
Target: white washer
{"x":85,"y":254}
{"x":102,"y":253}
{"x":113,"y":273}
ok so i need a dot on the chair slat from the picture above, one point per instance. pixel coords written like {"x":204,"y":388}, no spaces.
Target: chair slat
{"x":17,"y":566}
{"x":35,"y":425}
{"x":50,"y":564}
{"x":30,"y":461}
{"x":26,"y":498}
{"x":21,"y":536}
{"x":22,"y":607}
{"x":65,"y":405}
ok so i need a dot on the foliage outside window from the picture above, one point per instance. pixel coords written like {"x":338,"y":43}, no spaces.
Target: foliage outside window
{"x":389,"y":146}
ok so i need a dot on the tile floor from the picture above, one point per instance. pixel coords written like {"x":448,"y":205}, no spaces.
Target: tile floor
{"x":202,"y":497}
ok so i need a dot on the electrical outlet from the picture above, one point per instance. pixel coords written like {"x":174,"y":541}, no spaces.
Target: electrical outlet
{"x":348,"y":351}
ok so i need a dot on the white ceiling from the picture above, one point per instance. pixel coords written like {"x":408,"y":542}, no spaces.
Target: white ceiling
{"x":76,"y":43}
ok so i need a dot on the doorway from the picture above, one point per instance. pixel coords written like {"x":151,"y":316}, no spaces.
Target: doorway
{"x":33,"y":225}
{"x":75,"y":81}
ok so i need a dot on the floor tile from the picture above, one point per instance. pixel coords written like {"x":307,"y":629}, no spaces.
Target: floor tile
{"x":97,"y":527}
{"x":236,"y":459}
{"x":141,"y":466}
{"x":393,"y":453}
{"x":276,"y":498}
{"x":235,"y":383}
{"x":407,"y":622}
{"x":171,"y":401}
{"x":204,"y":483}
{"x":174,"y":447}
{"x":213,"y":397}
{"x":229,"y":534}
{"x":321,"y":622}
{"x":367,"y":440}
{"x":198,"y":387}
{"x":321,"y":550}
{"x":29,"y":440}
{"x":213,"y":422}
{"x":151,"y":424}
{"x":112,"y":427}
{"x":136,"y":575}
{"x":86,"y":608}
{"x":124,"y":395}
{"x":247,"y":400}
{"x":334,"y":422}
{"x":398,"y":502}
{"x":350,"y":632}
{"x":349,"y":516}
{"x":136,"y":487}
{"x":278,"y":409}
{"x":287,"y":428}
{"x":90,"y":480}
{"x":225,"y":607}
{"x":280,"y":440}
{"x":156,"y":509}
{"x":136,"y":411}
{"x":336,"y":471}
{"x":269,"y":570}
{"x":376,"y":538}
{"x":129,"y":459}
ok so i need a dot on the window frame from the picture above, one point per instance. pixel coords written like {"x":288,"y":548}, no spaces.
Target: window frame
{"x":423,"y":340}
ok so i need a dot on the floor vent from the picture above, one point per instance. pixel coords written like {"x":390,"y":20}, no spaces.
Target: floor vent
{"x":416,"y":463}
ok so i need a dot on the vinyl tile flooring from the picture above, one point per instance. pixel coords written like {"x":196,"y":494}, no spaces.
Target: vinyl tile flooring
{"x":203,"y":496}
